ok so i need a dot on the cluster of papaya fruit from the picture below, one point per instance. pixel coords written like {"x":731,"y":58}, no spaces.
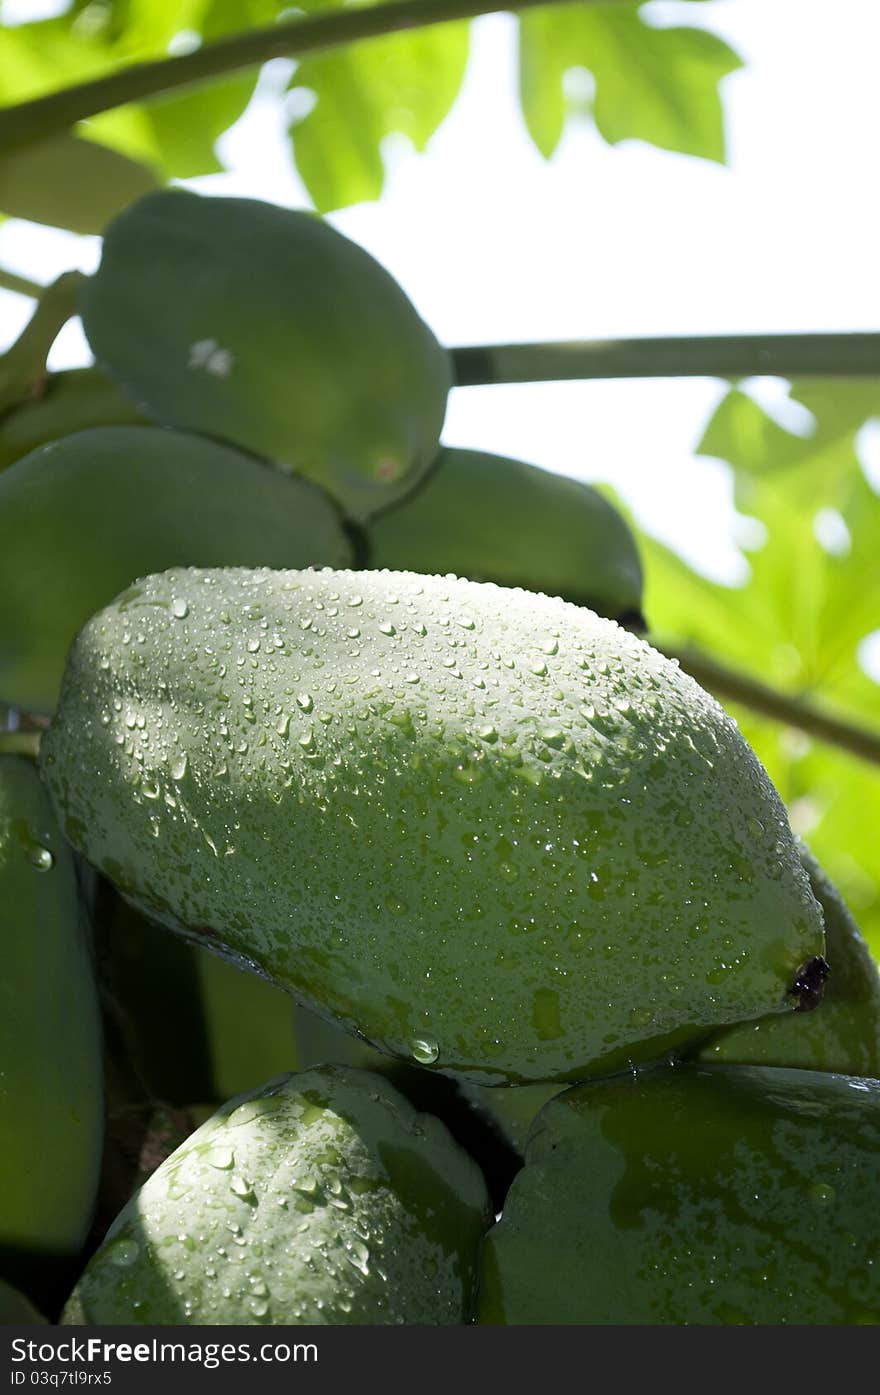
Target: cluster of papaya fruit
{"x":392,"y":935}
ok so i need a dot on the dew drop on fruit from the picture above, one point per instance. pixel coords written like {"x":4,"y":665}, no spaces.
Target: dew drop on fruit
{"x":425,"y":1050}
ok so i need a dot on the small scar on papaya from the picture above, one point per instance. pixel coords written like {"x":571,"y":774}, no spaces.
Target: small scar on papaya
{"x":809,"y":984}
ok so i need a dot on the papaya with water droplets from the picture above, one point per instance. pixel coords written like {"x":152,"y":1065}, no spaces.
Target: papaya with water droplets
{"x":319,"y":1198}
{"x":466,"y":1110}
{"x":485,"y":829}
{"x":489,"y":518}
{"x":83,"y":517}
{"x":710,"y":1195}
{"x":51,"y":1085}
{"x":492,"y":1123}
{"x":277,"y":334}
{"x":844,"y":1036}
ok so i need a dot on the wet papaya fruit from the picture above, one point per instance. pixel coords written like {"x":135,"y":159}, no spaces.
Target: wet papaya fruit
{"x":844,"y":1036}
{"x":72,"y":401}
{"x":51,"y":1097}
{"x":320,"y":1198}
{"x":277,"y":334}
{"x":489,"y":518}
{"x":486,"y":829}
{"x":712,"y":1195}
{"x":504,"y":1113}
{"x":83,"y":517}
{"x":458,"y":1105}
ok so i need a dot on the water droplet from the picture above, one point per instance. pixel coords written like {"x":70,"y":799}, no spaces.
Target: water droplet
{"x":425,"y":1050}
{"x":359,"y":1256}
{"x":822,"y":1193}
{"x":124,"y":1251}
{"x":178,"y":769}
{"x":221,"y":1158}
{"x":41,"y":858}
{"x":179,"y":608}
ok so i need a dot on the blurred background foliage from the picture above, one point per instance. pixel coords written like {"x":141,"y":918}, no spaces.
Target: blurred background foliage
{"x":802,"y":620}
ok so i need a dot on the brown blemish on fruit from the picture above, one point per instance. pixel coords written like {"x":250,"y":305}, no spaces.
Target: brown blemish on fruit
{"x":809,"y":983}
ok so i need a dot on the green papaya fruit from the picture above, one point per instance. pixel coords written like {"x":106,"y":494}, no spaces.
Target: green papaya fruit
{"x":321,"y":1198}
{"x":698,"y":1194}
{"x":16,"y":1310}
{"x":277,"y":334}
{"x":51,"y":1097}
{"x":458,"y":1105}
{"x":844,"y":1036}
{"x":485,"y":829}
{"x":507,"y":1111}
{"x":72,"y":401}
{"x":81,"y":518}
{"x":492,"y":519}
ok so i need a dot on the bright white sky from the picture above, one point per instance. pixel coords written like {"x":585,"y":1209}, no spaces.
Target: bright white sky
{"x":494,"y":244}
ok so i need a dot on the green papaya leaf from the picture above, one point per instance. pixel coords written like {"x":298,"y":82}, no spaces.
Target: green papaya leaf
{"x":658,"y":85}
{"x":174,"y":135}
{"x":823,"y":449}
{"x":405,"y":84}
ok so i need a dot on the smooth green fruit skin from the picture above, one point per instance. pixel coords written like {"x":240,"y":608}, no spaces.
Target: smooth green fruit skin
{"x":51,"y":1092}
{"x":75,"y":400}
{"x":483,"y":828}
{"x":698,"y":1194}
{"x":843,"y":1034}
{"x":277,"y":334}
{"x":84,"y":517}
{"x":16,"y":1310}
{"x":489,"y":518}
{"x":321,"y":1198}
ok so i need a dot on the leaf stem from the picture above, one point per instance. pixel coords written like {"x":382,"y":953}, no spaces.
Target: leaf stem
{"x":23,"y":367}
{"x":782,"y":707}
{"x":11,"y":281}
{"x":58,"y":111}
{"x":711,"y":356}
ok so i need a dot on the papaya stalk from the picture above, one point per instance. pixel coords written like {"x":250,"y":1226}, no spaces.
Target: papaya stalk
{"x":23,"y":367}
